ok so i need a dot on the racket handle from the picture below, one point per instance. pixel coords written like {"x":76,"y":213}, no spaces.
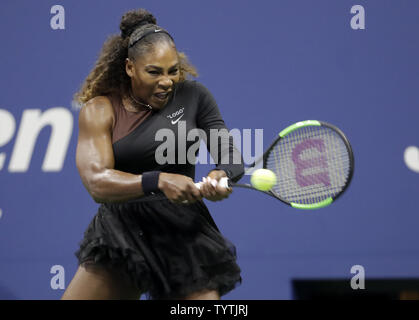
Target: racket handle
{"x":223,"y":182}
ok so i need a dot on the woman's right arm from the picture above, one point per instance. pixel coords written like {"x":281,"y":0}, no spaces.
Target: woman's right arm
{"x":95,"y":162}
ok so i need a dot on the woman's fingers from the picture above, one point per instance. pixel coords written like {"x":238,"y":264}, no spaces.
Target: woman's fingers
{"x":211,"y":187}
{"x":191,"y":194}
{"x":182,"y":190}
{"x":211,"y":190}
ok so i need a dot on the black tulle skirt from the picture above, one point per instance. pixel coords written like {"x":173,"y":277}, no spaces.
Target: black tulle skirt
{"x":169,"y":250}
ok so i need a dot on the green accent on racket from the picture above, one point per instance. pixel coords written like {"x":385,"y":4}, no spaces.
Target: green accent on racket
{"x":298,"y":125}
{"x":317,"y":205}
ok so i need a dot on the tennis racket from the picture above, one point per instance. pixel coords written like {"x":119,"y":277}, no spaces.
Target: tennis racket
{"x":313,"y":162}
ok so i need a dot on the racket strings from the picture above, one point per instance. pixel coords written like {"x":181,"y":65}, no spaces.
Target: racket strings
{"x":311,"y":193}
{"x":312,"y":164}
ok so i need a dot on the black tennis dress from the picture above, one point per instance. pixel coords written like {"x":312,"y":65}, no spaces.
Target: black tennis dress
{"x":169,"y":250}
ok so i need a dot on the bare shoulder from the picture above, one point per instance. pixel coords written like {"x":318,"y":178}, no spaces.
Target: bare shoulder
{"x":98,"y":111}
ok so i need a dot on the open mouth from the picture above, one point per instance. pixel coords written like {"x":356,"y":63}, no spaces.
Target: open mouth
{"x":162,"y":95}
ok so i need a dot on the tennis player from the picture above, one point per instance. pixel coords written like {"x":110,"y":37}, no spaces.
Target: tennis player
{"x":152,"y":233}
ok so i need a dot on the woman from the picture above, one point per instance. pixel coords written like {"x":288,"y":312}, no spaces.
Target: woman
{"x":153,"y":233}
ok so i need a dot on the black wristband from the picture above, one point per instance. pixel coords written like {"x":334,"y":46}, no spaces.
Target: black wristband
{"x":150,"y":182}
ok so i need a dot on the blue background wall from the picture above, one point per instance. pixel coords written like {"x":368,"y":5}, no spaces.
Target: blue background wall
{"x":268,"y":64}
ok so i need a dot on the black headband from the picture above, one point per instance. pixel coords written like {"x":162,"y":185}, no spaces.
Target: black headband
{"x":142,"y":32}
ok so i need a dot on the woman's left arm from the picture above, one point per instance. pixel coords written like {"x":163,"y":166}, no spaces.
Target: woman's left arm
{"x":228,"y":159}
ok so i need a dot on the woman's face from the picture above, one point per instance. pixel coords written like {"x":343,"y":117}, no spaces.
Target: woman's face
{"x":154,"y":75}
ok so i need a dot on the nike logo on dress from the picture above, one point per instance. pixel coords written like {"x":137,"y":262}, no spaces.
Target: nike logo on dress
{"x":157,"y":30}
{"x":175,"y":121}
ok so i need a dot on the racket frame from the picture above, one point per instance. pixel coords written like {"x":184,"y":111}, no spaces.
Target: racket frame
{"x":282,"y":135}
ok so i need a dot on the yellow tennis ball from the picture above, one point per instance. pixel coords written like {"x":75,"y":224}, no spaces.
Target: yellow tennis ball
{"x":263,"y":179}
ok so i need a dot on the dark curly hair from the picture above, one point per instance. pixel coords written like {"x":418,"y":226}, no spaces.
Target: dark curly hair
{"x":108,"y":75}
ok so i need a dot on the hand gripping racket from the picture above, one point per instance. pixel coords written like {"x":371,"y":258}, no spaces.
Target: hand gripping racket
{"x":313,"y":162}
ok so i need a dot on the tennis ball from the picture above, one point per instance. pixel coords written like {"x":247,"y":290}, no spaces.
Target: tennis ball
{"x":263,"y":179}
